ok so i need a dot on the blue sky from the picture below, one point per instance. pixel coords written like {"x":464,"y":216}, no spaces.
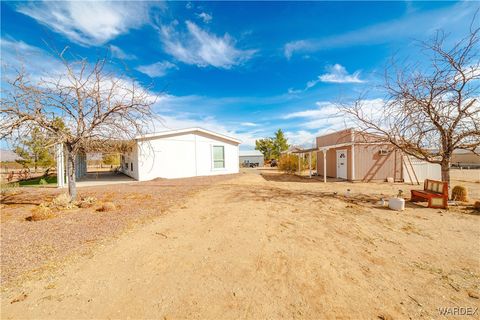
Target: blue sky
{"x":241,"y":68}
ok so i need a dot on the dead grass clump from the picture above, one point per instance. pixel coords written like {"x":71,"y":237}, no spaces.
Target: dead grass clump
{"x":62,"y":201}
{"x":459,"y":193}
{"x":41,"y":212}
{"x":87,"y":202}
{"x":9,"y":189}
{"x":107,"y":206}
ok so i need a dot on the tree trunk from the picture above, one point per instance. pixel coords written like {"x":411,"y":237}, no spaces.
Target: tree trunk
{"x":72,"y":186}
{"x":446,"y":171}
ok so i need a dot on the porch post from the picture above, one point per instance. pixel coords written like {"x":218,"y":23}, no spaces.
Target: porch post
{"x":324,"y":166}
{"x":60,"y":165}
{"x":310,"y":164}
{"x":299,"y":173}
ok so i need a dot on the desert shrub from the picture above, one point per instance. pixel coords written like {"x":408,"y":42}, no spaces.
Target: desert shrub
{"x":87,"y":202}
{"x":476,"y":205}
{"x":459,"y":193}
{"x":62,"y":201}
{"x":107,"y":206}
{"x":9,"y":188}
{"x":288,"y":163}
{"x":42,"y":182}
{"x":41,"y":212}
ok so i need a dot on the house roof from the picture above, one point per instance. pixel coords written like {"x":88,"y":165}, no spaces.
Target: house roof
{"x":463,"y":151}
{"x":186,"y":131}
{"x":8,"y":156}
{"x":250,"y":153}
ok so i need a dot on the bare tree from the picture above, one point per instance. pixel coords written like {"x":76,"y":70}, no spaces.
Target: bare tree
{"x":84,"y":106}
{"x":432,"y":111}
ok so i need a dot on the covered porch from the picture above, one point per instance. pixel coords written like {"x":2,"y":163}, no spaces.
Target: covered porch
{"x":100,"y":178}
{"x":90,"y":176}
{"x":302,"y":153}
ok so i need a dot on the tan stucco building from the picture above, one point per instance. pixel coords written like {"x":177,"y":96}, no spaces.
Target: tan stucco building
{"x":351,"y":155}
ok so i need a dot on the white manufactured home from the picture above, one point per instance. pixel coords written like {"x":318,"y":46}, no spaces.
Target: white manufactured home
{"x":181,"y":154}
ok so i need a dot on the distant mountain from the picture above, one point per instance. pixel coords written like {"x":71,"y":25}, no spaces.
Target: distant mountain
{"x":8,"y":156}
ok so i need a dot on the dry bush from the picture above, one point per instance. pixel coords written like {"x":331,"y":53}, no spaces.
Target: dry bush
{"x":107,"y":206}
{"x":288,"y":163}
{"x":62,"y":201}
{"x":41,"y":212}
{"x":9,"y":189}
{"x":476,"y":205}
{"x":459,"y":193}
{"x":87,"y":202}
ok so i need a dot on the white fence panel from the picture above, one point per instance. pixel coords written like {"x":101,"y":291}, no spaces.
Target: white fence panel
{"x":424,"y":170}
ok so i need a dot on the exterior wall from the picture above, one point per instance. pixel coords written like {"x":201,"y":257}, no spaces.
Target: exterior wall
{"x":371,"y":165}
{"x":252,"y":159}
{"x":344,"y":136}
{"x":332,"y":162}
{"x":129,"y":159}
{"x":466,"y":159}
{"x":205,"y":159}
{"x":367,"y":162}
{"x":181,"y":156}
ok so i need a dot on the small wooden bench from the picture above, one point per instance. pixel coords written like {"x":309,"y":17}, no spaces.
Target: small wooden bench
{"x":435,"y":192}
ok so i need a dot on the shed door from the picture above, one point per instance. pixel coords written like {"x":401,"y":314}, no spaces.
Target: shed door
{"x":342,"y":164}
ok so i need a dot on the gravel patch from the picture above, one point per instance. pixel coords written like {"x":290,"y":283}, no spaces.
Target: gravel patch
{"x":28,"y":248}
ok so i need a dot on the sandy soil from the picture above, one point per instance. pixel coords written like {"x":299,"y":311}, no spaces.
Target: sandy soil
{"x":271,"y":247}
{"x":29,"y":248}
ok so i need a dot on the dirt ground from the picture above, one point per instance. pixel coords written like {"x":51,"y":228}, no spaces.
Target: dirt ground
{"x":270,"y":246}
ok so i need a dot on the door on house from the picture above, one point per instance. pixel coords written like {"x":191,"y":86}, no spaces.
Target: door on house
{"x":342,"y":164}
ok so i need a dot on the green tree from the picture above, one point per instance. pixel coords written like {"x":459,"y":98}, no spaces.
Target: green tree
{"x":265,"y":146}
{"x":35,"y":150}
{"x":111,"y":159}
{"x":280,"y":143}
{"x":272,"y":147}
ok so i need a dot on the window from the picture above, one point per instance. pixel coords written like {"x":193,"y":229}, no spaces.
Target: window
{"x":218,"y":157}
{"x":131,"y":166}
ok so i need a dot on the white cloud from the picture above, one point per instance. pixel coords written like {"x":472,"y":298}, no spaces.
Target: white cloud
{"x":328,"y":117}
{"x":205,"y":17}
{"x":335,"y":74}
{"x":198,"y":47}
{"x":88,"y":22}
{"x":120,"y":54}
{"x":182,"y":121}
{"x":35,"y":61}
{"x":325,"y":109}
{"x":294,"y":46}
{"x":249,"y":124}
{"x":338,"y":74}
{"x":158,"y":69}
{"x":303,"y":138}
{"x":455,"y":19}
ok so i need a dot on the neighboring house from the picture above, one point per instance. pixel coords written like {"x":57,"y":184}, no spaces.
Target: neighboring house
{"x":251,"y":157}
{"x":9,"y":156}
{"x":180,"y":154}
{"x":466,"y":159}
{"x":351,"y":155}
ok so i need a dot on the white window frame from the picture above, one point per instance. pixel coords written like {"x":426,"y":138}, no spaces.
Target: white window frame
{"x":213,"y":159}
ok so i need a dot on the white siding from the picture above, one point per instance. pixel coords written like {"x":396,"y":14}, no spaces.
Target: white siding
{"x":127,"y":160}
{"x":181,"y":156}
{"x":424,"y":170}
